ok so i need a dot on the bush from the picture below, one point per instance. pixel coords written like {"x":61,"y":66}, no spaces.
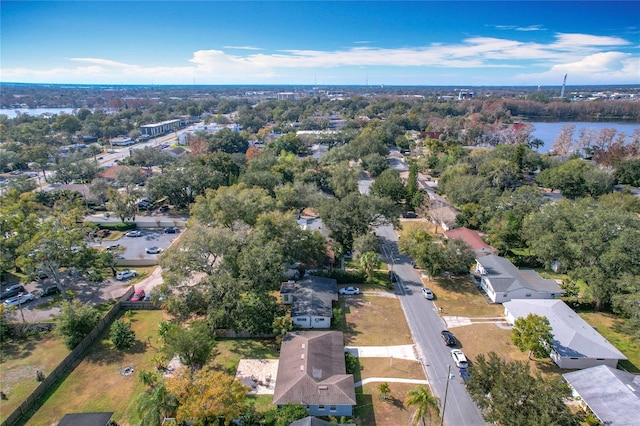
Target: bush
{"x":122,"y":336}
{"x":120,"y":226}
{"x":75,"y":322}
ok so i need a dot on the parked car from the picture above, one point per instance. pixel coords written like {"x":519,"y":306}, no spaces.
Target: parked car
{"x":103,"y":233}
{"x":19,"y":299}
{"x":409,"y":215}
{"x":12,"y":291}
{"x":153,"y":250}
{"x":138,"y":296}
{"x":427,"y":293}
{"x":113,"y":247}
{"x":448,"y":338}
{"x":163,"y":209}
{"x":126,"y":275}
{"x":50,"y":291}
{"x":459,"y":358}
{"x":349,"y":290}
{"x":171,"y":230}
{"x":134,"y":234}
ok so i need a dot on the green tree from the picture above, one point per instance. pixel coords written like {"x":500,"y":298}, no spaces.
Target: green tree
{"x":285,"y":415}
{"x":193,"y":345}
{"x":155,"y":404}
{"x":121,"y":334}
{"x":369,"y":262}
{"x":75,"y":322}
{"x":375,"y":164}
{"x":425,"y":403}
{"x":122,"y":204}
{"x":390,"y":185}
{"x":364,"y":243}
{"x":533,"y":333}
{"x":508,"y":394}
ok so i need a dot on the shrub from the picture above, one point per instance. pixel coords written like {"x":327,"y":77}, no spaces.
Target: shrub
{"x":120,"y":226}
{"x":122,"y":336}
{"x":75,"y":322}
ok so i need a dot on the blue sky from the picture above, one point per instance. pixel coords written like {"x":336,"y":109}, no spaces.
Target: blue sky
{"x":321,"y":42}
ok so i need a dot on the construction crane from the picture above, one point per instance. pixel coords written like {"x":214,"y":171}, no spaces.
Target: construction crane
{"x":564,"y":82}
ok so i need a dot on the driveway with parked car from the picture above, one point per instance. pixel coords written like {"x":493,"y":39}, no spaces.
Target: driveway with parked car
{"x":143,"y":244}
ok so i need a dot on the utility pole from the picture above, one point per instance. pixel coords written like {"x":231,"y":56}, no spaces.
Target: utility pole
{"x":446,"y":390}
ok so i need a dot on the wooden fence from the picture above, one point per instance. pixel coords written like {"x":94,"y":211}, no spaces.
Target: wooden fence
{"x":75,"y":356}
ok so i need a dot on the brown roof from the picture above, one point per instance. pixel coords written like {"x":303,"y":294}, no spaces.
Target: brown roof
{"x":472,"y":238}
{"x":312,"y":370}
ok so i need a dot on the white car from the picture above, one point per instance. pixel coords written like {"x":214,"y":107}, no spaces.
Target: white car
{"x":349,"y":290}
{"x":153,"y":250}
{"x":126,"y":275}
{"x":459,"y":358}
{"x":19,"y":299}
{"x":427,"y":293}
{"x":134,"y":234}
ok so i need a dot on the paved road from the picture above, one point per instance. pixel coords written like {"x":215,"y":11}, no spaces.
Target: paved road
{"x":425,"y":325}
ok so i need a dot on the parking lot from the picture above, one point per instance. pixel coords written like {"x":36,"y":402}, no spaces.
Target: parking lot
{"x":135,"y":247}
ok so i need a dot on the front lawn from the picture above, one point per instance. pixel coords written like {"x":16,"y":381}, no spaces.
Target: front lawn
{"x":372,"y":410}
{"x":459,"y":296}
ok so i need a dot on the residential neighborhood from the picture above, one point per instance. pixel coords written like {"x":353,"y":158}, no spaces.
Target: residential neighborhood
{"x":310,"y":268}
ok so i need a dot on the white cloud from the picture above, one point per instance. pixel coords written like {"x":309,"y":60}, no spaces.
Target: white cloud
{"x":584,"y":56}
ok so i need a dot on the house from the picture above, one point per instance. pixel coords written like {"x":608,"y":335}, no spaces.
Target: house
{"x":86,"y":419}
{"x":444,"y":216}
{"x":613,"y":396}
{"x":311,"y":301}
{"x":502,"y":281}
{"x":575,"y":343}
{"x":314,"y":421}
{"x":473,"y":240}
{"x":312,"y":372}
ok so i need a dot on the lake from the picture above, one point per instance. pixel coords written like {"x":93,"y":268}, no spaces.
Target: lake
{"x":34,"y":112}
{"x":548,"y":132}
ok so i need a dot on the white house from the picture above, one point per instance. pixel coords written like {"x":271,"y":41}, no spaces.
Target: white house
{"x":311,"y":301}
{"x":502,"y":281}
{"x":575,"y":343}
{"x":612,"y":395}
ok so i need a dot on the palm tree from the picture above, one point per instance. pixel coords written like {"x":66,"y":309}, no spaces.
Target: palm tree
{"x":369,"y":261}
{"x":154,"y":404}
{"x":384,"y":389}
{"x":425,"y":404}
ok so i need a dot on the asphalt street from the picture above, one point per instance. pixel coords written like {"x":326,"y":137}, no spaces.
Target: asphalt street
{"x":425,"y":325}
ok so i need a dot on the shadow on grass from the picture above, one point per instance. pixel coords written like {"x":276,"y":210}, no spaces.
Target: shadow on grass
{"x":17,"y":348}
{"x":102,"y":353}
{"x":254,"y":348}
{"x":364,"y":408}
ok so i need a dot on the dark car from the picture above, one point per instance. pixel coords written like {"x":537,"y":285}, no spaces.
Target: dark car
{"x":172,"y":230}
{"x":448,"y":338}
{"x":12,"y":291}
{"x":409,"y":215}
{"x":164,"y":209}
{"x":50,"y":291}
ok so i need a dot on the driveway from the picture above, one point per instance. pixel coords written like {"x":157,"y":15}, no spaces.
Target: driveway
{"x":400,"y":352}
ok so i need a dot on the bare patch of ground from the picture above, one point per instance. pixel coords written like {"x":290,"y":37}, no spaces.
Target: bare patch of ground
{"x":258,"y":374}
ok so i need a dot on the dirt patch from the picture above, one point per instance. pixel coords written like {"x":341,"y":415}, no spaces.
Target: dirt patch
{"x":375,"y":321}
{"x":258,"y":374}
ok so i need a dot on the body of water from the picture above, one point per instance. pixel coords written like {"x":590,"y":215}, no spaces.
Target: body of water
{"x":548,"y":132}
{"x":35,"y":112}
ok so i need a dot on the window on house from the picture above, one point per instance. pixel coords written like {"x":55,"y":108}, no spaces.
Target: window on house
{"x":319,"y":319}
{"x":527,"y":295}
{"x":321,"y":407}
{"x":333,"y":408}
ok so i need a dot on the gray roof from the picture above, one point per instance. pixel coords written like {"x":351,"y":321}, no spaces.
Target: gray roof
{"x":86,"y":419}
{"x":314,"y":296}
{"x":572,"y":336}
{"x":613,"y":395}
{"x":505,"y":277}
{"x":314,"y":421}
{"x":312,"y":370}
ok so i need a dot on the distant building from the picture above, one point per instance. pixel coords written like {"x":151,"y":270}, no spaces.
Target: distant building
{"x":160,"y":128}
{"x":286,"y":96}
{"x":121,"y":141}
{"x":472,"y":239}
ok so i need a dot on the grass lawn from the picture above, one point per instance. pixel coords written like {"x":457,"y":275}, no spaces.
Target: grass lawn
{"x":389,"y":367}
{"x":478,"y":339}
{"x":459,"y":297}
{"x":374,"y":321}
{"x":229,"y":352}
{"x":372,"y":410}
{"x":97,"y":384}
{"x":610,"y":327}
{"x":19,"y":361}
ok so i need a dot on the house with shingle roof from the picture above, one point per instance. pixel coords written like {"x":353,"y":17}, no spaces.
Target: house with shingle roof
{"x":312,"y":372}
{"x":473,"y":240}
{"x":502,"y":281}
{"x":311,"y":300}
{"x":613,"y":396}
{"x":576,"y":344}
